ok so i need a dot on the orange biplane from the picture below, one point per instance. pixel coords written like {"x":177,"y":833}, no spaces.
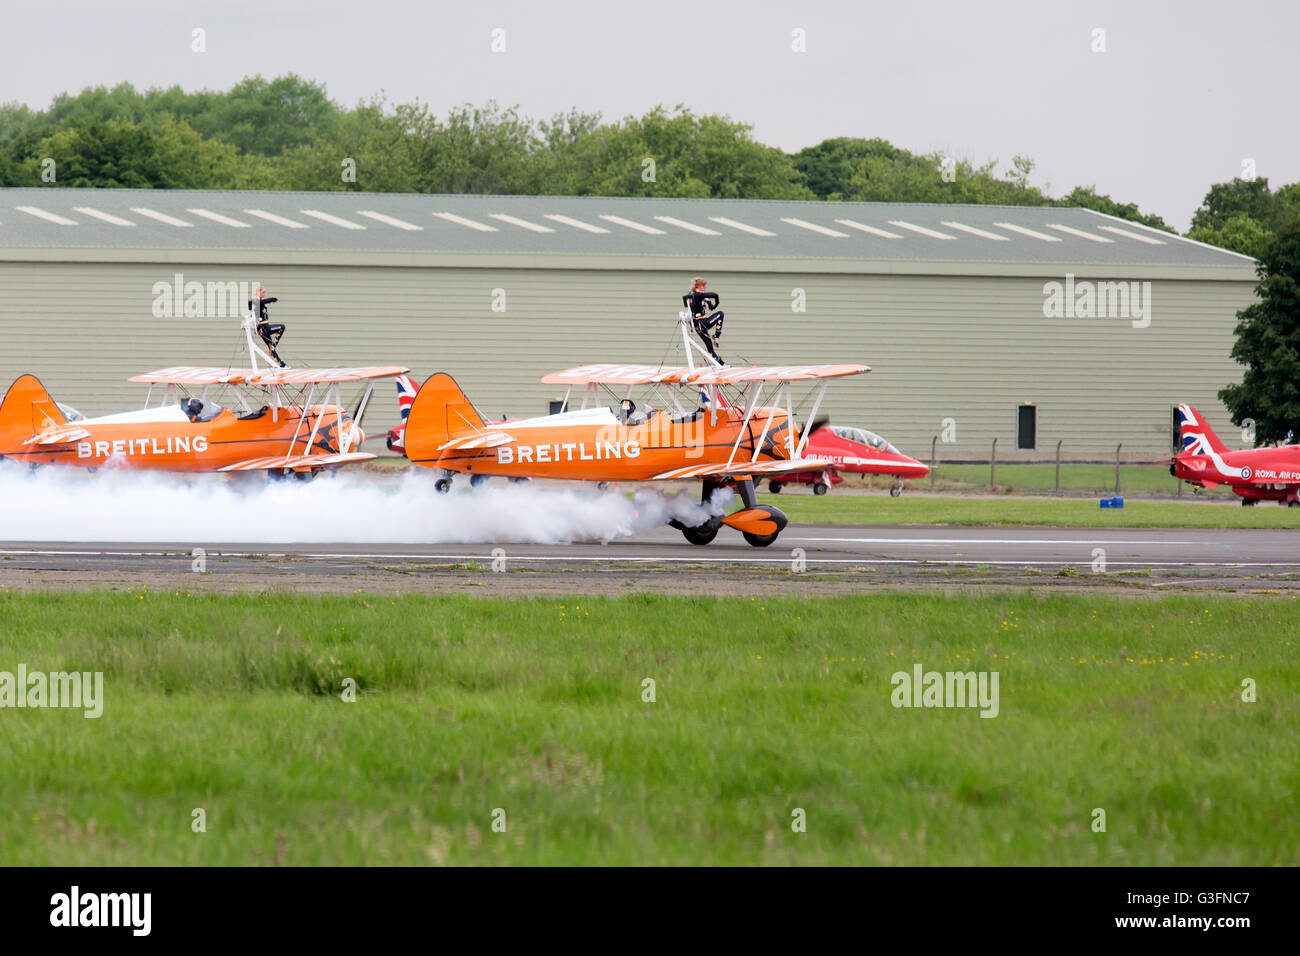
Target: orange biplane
{"x":282,"y":431}
{"x":724,"y":443}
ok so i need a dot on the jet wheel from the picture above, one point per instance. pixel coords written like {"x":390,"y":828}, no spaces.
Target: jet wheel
{"x":820,"y":488}
{"x":774,"y":487}
{"x":442,"y":485}
{"x":895,"y":491}
{"x":476,"y":480}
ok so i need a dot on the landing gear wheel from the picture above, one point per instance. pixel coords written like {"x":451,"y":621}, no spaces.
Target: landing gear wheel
{"x":476,"y":480}
{"x":602,"y":485}
{"x":442,"y":485}
{"x":304,"y":475}
{"x":1247,"y":502}
{"x":520,"y":480}
{"x":1293,"y":504}
{"x":774,"y":487}
{"x":820,"y":488}
{"x":701,"y":534}
{"x":761,"y":540}
{"x":896,"y":490}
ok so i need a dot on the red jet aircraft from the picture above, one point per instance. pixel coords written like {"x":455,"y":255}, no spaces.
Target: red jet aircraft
{"x":1257,"y":474}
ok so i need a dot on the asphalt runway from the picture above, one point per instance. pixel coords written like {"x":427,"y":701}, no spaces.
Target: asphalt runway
{"x":662,"y":560}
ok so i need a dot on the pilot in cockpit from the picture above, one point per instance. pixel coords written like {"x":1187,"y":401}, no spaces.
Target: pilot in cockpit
{"x":631,"y":415}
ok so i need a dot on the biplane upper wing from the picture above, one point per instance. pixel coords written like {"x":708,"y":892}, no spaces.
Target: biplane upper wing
{"x":738,"y":468}
{"x":193,"y":375}
{"x":614,"y":374}
{"x":207,"y":375}
{"x":743,"y":374}
{"x":299,"y":462}
{"x":611,"y":374}
{"x":321,"y":376}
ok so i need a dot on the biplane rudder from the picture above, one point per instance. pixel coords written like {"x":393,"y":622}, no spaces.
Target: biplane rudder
{"x":439,"y":413}
{"x":25,"y":409}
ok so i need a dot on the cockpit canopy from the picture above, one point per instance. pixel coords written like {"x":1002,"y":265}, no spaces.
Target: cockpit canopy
{"x":200,"y":410}
{"x":863,"y":437}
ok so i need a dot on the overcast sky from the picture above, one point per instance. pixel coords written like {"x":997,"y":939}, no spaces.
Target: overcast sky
{"x":1184,"y":93}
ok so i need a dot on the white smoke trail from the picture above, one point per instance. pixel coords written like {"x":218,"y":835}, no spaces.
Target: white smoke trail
{"x":58,"y":504}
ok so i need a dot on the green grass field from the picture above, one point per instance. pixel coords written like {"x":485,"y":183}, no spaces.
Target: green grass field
{"x":1075,"y":479}
{"x":911,"y":508}
{"x":232,"y":704}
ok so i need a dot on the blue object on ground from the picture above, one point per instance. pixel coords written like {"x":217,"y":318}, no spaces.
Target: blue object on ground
{"x":1116,"y":502}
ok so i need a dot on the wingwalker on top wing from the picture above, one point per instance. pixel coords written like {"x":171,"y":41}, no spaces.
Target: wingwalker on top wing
{"x":1256,"y":474}
{"x":280,"y":431}
{"x":725,"y":445}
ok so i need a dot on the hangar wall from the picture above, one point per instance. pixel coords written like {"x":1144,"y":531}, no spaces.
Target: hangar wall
{"x":967,"y":347}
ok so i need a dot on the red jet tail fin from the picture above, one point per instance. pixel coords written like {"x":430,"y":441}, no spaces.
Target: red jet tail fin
{"x":1198,"y":437}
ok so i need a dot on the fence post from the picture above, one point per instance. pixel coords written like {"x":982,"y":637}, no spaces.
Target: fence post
{"x":1117,"y":448}
{"x":993,"y":465}
{"x":934,"y":463}
{"x":1058,"y":466}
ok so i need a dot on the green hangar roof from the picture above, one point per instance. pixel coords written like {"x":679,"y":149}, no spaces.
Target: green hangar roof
{"x":57,"y":223}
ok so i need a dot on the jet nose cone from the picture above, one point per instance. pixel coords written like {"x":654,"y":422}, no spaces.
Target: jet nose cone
{"x":912,"y":468}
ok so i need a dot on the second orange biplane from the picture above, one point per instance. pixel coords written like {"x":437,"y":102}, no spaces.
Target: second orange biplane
{"x":282,"y":431}
{"x":723,"y":445}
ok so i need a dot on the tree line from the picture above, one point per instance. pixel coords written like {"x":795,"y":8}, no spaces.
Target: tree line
{"x":286,"y":133}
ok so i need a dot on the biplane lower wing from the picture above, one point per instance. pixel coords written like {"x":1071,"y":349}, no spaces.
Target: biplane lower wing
{"x":738,"y":468}
{"x":298,"y":462}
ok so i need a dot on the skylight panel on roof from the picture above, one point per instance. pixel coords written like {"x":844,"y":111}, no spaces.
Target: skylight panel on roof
{"x":1032,"y":234}
{"x":863,"y":227}
{"x":1077,"y":232}
{"x":105,"y":216}
{"x":1149,"y":240}
{"x":983,"y":234}
{"x":390,"y":220}
{"x":331,"y":219}
{"x":743,"y":227}
{"x":813,"y":227}
{"x":922,"y":230}
{"x":278,"y":220}
{"x":162,"y":217}
{"x":576,"y":223}
{"x":462,"y":221}
{"x":521,"y":223}
{"x":688,"y":226}
{"x":218,"y":217}
{"x":639,"y":226}
{"x":47,"y":216}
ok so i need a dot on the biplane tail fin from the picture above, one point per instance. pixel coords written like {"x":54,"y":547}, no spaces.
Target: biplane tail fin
{"x":440,"y":413}
{"x":27,"y":410}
